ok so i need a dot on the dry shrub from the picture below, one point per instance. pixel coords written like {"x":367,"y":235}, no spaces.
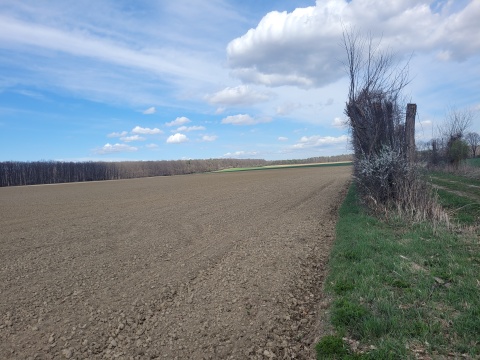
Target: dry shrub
{"x":390,"y":187}
{"x":418,"y":201}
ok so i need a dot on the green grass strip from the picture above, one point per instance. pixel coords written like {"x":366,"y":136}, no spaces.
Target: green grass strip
{"x":460,"y":196}
{"x":279,"y":167}
{"x":457,"y":186}
{"x":401,"y":291}
{"x":474,"y":162}
{"x":465,"y":210}
{"x":436,"y":175}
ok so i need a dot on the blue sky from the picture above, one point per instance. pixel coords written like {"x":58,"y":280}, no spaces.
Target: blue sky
{"x":151,"y":80}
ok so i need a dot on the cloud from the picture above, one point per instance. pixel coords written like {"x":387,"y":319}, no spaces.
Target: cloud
{"x":240,"y":154}
{"x":282,"y":138}
{"x":178,"y":138}
{"x":178,"y":121}
{"x":32,"y":94}
{"x":339,"y":123}
{"x":303,"y":47}
{"x":151,"y":146}
{"x":209,"y":137}
{"x":117,"y":134}
{"x":138,"y":56}
{"x":319,"y":141}
{"x":239,"y":95}
{"x":116,"y":148}
{"x":150,"y":111}
{"x":146,"y":131}
{"x":425,"y":123}
{"x":244,"y":119}
{"x":286,"y":108}
{"x":132,"y":138}
{"x":190,"y":128}
{"x":423,"y":129}
{"x":87,"y":44}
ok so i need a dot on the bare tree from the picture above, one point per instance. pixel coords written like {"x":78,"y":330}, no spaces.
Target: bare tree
{"x":13,"y":173}
{"x":375,"y":116}
{"x":376,"y":83}
{"x":456,"y":123}
{"x":450,"y":143}
{"x":473,"y":139}
{"x":383,"y":141}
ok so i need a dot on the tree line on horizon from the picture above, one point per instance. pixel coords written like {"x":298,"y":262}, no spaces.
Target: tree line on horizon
{"x":313,"y":160}
{"x":17,"y":173}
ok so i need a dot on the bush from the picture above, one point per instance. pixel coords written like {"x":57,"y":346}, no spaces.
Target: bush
{"x":378,"y":174}
{"x":388,"y":183}
{"x":457,"y":151}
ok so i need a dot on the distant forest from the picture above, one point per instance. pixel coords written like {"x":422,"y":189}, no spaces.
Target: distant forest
{"x":15,"y":173}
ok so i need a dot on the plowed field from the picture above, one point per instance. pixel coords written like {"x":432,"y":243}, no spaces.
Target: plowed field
{"x":214,"y":266}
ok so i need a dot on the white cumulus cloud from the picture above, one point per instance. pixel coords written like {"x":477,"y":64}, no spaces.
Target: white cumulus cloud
{"x":239,"y":95}
{"x":282,"y":138}
{"x":320,"y":141}
{"x":115,"y":148}
{"x":190,"y":128}
{"x":179,"y":121}
{"x":177,"y":138}
{"x":150,"y":111}
{"x":302,"y":47}
{"x":240,"y":154}
{"x":117,"y":134}
{"x":151,"y":146}
{"x":209,"y":137}
{"x":146,"y":131}
{"x":244,"y":119}
{"x":132,"y":138}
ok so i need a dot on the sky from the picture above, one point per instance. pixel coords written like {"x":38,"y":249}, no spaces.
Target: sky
{"x":117,"y":80}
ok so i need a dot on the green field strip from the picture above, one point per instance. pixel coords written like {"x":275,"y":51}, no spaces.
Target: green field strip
{"x":400,"y":290}
{"x":279,"y":167}
{"x":467,"y":189}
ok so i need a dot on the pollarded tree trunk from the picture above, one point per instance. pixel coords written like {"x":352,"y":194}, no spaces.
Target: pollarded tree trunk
{"x":410,"y":133}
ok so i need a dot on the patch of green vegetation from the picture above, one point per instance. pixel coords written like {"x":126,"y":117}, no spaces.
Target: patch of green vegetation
{"x":441,"y":176}
{"x":343,"y":285}
{"x":474,"y":162}
{"x":331,"y":347}
{"x":464,"y":210}
{"x":456,"y":186}
{"x":402,"y":289}
{"x":279,"y":167}
{"x":399,"y":283}
{"x":459,"y":195}
{"x":347,"y":313}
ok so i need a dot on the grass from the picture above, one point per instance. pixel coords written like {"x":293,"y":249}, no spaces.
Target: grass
{"x":277,"y":167}
{"x":474,"y":162}
{"x":401,"y":291}
{"x":464,"y":210}
{"x":452,"y":178}
{"x":459,"y":195}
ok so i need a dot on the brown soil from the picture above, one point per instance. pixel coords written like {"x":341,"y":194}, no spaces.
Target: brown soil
{"x":210,"y":266}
